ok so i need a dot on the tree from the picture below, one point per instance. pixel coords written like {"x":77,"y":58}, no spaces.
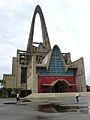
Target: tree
{"x":2,"y":82}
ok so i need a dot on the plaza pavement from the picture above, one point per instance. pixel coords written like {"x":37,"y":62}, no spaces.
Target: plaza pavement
{"x":46,"y":107}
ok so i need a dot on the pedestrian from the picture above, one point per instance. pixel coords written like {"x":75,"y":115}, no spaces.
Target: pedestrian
{"x":17,"y":97}
{"x":77,"y":97}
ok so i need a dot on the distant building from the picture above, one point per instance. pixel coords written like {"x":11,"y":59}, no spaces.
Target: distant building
{"x":45,"y":70}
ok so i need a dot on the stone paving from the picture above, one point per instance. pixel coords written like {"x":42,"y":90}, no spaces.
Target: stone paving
{"x":50,"y":108}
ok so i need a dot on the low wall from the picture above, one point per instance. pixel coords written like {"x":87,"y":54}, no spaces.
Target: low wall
{"x":48,"y":95}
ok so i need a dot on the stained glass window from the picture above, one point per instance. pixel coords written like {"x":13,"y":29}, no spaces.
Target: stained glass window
{"x":56,"y":66}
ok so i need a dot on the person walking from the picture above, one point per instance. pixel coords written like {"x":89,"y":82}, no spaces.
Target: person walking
{"x":17,"y":97}
{"x":77,"y":97}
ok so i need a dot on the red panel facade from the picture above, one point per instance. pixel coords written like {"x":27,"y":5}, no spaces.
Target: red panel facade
{"x":48,"y":80}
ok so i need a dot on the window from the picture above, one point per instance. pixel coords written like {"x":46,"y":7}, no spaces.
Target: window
{"x":23,"y":74}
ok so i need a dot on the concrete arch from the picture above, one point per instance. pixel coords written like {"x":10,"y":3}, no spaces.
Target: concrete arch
{"x":60,"y":86}
{"x":46,"y":42}
{"x":63,"y":80}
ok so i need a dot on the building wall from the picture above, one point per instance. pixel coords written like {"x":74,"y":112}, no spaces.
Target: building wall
{"x":80,"y":76}
{"x":29,"y":77}
{"x":16,"y":71}
{"x":9,"y":81}
{"x":18,"y":75}
{"x":32,"y":79}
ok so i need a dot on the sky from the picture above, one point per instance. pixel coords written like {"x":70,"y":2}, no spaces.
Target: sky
{"x":68,"y":26}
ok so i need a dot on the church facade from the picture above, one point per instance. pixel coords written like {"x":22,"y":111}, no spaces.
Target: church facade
{"x":45,"y":70}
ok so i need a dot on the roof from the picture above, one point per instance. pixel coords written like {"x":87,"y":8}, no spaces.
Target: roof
{"x":46,"y":60}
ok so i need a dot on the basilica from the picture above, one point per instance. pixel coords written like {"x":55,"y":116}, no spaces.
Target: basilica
{"x":42,"y":69}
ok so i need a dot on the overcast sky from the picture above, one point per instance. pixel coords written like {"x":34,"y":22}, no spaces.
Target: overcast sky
{"x":67,"y":21}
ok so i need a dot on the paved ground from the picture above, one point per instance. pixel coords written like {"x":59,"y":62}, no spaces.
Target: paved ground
{"x":60,"y":108}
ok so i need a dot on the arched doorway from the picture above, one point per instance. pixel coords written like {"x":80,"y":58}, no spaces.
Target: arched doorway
{"x":60,"y":86}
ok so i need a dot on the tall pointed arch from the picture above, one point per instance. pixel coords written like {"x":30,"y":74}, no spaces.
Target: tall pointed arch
{"x":46,"y":42}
